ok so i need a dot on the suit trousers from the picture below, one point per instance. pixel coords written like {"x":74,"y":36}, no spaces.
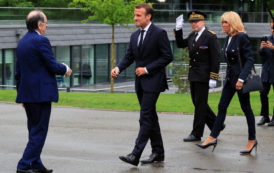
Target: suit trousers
{"x":149,"y":125}
{"x":264,"y":99}
{"x":202,"y":114}
{"x":227,"y":95}
{"x":38,"y":116}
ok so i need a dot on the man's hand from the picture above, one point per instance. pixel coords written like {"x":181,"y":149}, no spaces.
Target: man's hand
{"x":140,"y":71}
{"x":68,"y":70}
{"x":68,"y":73}
{"x":179,"y":22}
{"x":270,"y":45}
{"x":115,"y":72}
{"x":239,"y":85}
{"x":263,"y":44}
{"x":212,"y":83}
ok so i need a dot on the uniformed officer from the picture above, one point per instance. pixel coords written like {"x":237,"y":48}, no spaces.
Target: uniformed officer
{"x":204,"y":64}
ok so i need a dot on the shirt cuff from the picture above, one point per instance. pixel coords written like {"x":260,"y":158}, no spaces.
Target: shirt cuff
{"x":67,"y":68}
{"x":118,"y":69}
{"x":241,"y":80}
{"x":146,"y":70}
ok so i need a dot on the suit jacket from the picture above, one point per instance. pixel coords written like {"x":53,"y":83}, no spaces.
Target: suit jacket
{"x":239,"y":47}
{"x":204,"y":56}
{"x":268,"y":62}
{"x":154,"y":55}
{"x":36,"y":68}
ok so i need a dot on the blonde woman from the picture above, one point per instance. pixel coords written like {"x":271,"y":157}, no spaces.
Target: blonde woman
{"x":239,"y":58}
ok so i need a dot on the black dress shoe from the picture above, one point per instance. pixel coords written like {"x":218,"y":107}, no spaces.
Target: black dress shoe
{"x":271,"y":123}
{"x":263,"y":121}
{"x":25,"y":171}
{"x":131,"y":159}
{"x":154,"y":157}
{"x":191,"y":138}
{"x":45,"y":170}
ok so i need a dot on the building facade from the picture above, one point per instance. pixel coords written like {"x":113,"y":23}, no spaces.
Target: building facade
{"x":86,"y":49}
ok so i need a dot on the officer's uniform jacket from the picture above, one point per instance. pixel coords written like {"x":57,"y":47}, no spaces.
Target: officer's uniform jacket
{"x":204,"y":55}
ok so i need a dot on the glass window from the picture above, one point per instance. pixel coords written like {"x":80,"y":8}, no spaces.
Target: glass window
{"x":87,"y":71}
{"x":76,"y":65}
{"x":1,"y":67}
{"x":62,"y":54}
{"x":102,"y":63}
{"x":129,"y":73}
{"x":9,"y":67}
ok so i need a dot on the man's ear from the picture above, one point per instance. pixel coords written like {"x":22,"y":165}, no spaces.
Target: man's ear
{"x":39,"y":25}
{"x":149,"y":15}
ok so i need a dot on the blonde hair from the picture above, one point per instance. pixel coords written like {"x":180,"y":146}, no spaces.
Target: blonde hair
{"x":235,"y":22}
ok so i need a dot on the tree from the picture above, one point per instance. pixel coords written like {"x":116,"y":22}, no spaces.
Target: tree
{"x":34,"y":3}
{"x":16,"y":3}
{"x":111,"y":12}
{"x":179,"y":69}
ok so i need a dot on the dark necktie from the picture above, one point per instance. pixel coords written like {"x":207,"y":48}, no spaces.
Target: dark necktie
{"x":141,"y":40}
{"x":194,"y":40}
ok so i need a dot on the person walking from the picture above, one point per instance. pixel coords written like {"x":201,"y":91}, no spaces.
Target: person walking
{"x":149,"y":47}
{"x":238,"y":55}
{"x":204,"y":63}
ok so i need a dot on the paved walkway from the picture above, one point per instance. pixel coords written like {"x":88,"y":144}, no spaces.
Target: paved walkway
{"x":90,"y":141}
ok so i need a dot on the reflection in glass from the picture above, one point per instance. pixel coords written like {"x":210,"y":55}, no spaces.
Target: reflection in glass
{"x":102,"y":63}
{"x":129,"y":73}
{"x":1,"y":64}
{"x":62,"y":54}
{"x":76,"y":64}
{"x":9,"y":67}
{"x":87,"y":70}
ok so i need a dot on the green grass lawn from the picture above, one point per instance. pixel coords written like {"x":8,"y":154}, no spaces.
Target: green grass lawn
{"x":180,"y":103}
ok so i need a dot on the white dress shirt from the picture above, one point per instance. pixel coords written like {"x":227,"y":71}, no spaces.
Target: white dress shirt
{"x":145,"y":33}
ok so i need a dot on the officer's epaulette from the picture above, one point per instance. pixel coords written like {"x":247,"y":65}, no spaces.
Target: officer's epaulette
{"x":212,"y":32}
{"x":214,"y":75}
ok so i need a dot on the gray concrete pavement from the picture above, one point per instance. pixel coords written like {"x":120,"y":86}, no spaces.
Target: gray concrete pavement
{"x":90,"y":141}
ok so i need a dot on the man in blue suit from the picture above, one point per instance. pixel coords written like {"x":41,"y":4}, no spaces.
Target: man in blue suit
{"x":36,"y":68}
{"x":149,"y":47}
{"x":267,"y":53}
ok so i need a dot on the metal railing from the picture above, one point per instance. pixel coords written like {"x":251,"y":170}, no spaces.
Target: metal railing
{"x":17,"y":15}
{"x":129,"y":87}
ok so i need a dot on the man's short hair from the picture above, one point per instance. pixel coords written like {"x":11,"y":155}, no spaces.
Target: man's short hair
{"x":149,"y":9}
{"x":32,"y":22}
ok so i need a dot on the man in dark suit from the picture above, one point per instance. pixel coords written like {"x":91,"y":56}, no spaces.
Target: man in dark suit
{"x":204,"y":64}
{"x":267,"y":53}
{"x":36,"y":68}
{"x":149,"y":47}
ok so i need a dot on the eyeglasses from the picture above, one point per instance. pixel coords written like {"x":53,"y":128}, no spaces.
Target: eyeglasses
{"x":44,"y":22}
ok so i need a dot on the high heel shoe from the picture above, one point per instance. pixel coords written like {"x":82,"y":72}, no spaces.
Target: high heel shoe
{"x":249,"y":151}
{"x":214,"y":143}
